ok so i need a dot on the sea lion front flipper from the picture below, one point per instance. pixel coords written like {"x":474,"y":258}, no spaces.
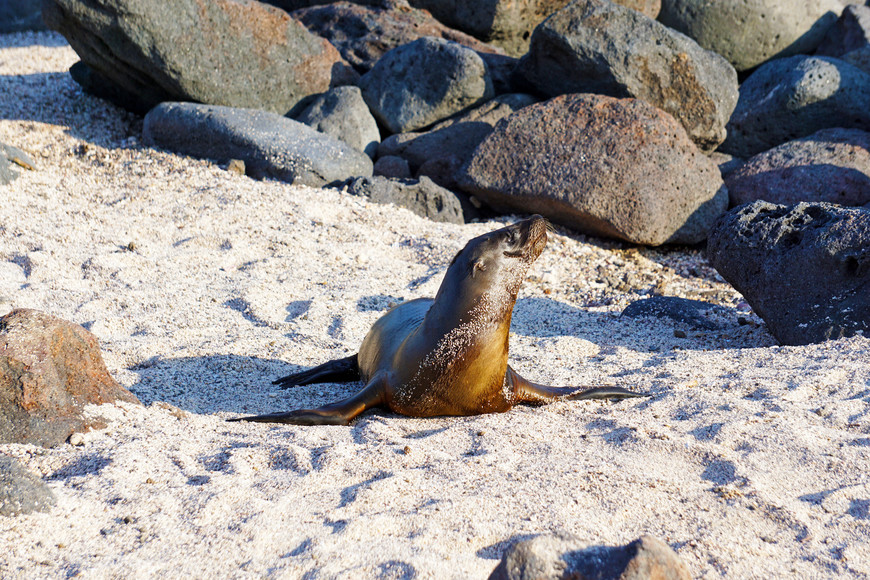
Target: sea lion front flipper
{"x":528,"y":392}
{"x":338,"y":413}
{"x":343,"y":370}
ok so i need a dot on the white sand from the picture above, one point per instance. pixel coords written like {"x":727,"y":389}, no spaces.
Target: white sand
{"x":750,"y":460}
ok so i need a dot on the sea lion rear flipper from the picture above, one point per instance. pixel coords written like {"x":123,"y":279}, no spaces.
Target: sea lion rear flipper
{"x":343,"y":370}
{"x":338,"y":413}
{"x":529,"y":392}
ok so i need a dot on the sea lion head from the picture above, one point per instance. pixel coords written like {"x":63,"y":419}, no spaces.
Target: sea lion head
{"x":490,"y":269}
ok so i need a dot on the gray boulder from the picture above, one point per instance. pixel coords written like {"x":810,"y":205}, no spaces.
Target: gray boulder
{"x":423,"y":196}
{"x":342,"y":113}
{"x":243,"y":54}
{"x":551,"y":557}
{"x":22,"y":492}
{"x":449,"y":144}
{"x":392,"y":166}
{"x":269,"y":144}
{"x":423,"y":82}
{"x":363,"y":34}
{"x":832,"y":165}
{"x":850,"y":32}
{"x":619,"y":168}
{"x":508,"y":23}
{"x":804,"y":269}
{"x":793,"y":97}
{"x":751,"y":32}
{"x":595,"y":46}
{"x":20,"y":15}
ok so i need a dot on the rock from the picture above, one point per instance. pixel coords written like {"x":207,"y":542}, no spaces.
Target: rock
{"x":49,"y":370}
{"x":564,"y":557}
{"x":859,"y":58}
{"x":804,"y":269}
{"x":342,"y":113}
{"x":727,"y":163}
{"x":22,"y":492}
{"x":244,"y":53}
{"x":271,"y":146}
{"x":363,"y":34}
{"x":449,"y":144}
{"x":10,"y":159}
{"x":20,"y":15}
{"x":595,"y":46}
{"x":99,"y":86}
{"x":695,"y":313}
{"x":850,"y":32}
{"x":422,"y":197}
{"x":509,"y":23}
{"x":423,"y":82}
{"x":767,"y":29}
{"x":392,"y":166}
{"x":7,"y":175}
{"x":831,"y":165}
{"x":794,"y":97}
{"x":619,"y":168}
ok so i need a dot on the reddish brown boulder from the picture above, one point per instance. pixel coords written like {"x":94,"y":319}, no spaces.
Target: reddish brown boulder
{"x":611,"y":167}
{"x":49,"y":370}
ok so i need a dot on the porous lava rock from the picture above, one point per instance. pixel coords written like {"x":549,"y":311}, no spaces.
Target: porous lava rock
{"x":595,"y":46}
{"x":49,"y":370}
{"x":611,"y":167}
{"x":831,"y":165}
{"x":423,"y":197}
{"x":804,"y":269}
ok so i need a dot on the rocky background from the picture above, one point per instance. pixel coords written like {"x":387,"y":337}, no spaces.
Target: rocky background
{"x":737,"y":127}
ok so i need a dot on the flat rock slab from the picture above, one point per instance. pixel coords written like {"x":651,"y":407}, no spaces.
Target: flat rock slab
{"x":751,"y":32}
{"x":271,"y":146}
{"x":804,"y":269}
{"x":831,"y":165}
{"x":423,"y":82}
{"x":22,"y":492}
{"x":236,"y":53}
{"x":793,"y":97}
{"x":423,"y":197}
{"x":363,"y":34}
{"x":618,"y":168}
{"x":595,"y":46}
{"x":49,"y":370}
{"x":555,"y":557}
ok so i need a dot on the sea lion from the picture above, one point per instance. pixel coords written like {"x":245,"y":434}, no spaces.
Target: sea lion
{"x":447,"y":355}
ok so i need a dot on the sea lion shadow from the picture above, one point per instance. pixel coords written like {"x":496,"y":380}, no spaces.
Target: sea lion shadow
{"x":226,"y":382}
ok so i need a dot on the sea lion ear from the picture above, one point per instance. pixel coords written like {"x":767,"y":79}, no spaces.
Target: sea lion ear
{"x":479,"y":266}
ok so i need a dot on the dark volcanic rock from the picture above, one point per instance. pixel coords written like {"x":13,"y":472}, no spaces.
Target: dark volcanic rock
{"x":423,"y":196}
{"x":269,"y":144}
{"x":49,"y":370}
{"x":20,"y":15}
{"x":564,"y":558}
{"x":612,"y":167}
{"x":595,"y":46}
{"x":342,"y":113}
{"x":695,"y":313}
{"x":238,"y":53}
{"x":363,"y":34}
{"x":22,"y":492}
{"x":832,"y":165}
{"x":751,"y":32}
{"x":850,"y":32}
{"x":423,"y":82}
{"x":794,"y":97}
{"x":441,"y":151}
{"x":392,"y":166}
{"x":804,"y":269}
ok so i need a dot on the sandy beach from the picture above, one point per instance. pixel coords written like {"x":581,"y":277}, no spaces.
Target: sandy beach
{"x":750,"y":460}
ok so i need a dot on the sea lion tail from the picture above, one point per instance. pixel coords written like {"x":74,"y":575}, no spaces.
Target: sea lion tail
{"x":604,"y":392}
